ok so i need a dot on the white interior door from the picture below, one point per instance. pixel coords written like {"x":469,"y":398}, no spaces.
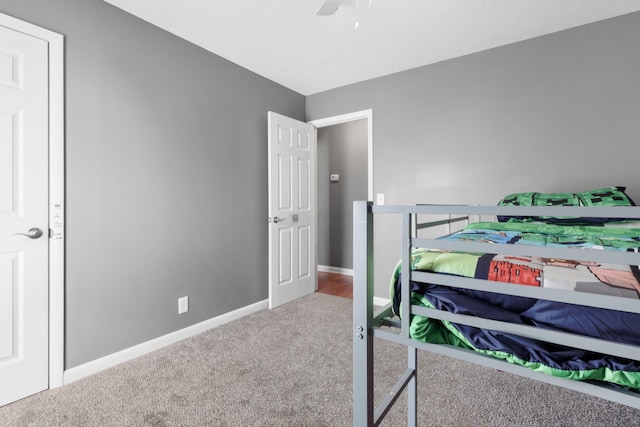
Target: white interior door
{"x":292,"y":198}
{"x":24,"y":248}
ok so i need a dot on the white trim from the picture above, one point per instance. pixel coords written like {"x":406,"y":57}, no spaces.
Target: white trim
{"x":336,"y":120}
{"x":349,"y":117}
{"x":339,"y":270}
{"x":56,"y":194}
{"x":130,"y":353}
{"x":381,"y":302}
{"x":56,"y":188}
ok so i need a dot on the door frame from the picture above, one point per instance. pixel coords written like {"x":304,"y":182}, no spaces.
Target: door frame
{"x":336,"y":120}
{"x":56,"y":190}
{"x":349,"y":117}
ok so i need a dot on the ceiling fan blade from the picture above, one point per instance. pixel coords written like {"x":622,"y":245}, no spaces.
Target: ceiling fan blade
{"x":329,"y":7}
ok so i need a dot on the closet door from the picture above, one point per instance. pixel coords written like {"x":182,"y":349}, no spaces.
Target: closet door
{"x":24,"y":199}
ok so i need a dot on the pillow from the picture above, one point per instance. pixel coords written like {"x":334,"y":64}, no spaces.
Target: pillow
{"x":539,"y":199}
{"x":609,"y":196}
{"x":556,"y":199}
{"x":517,"y":199}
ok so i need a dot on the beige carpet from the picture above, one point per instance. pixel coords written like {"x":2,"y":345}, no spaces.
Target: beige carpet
{"x":292,"y":367}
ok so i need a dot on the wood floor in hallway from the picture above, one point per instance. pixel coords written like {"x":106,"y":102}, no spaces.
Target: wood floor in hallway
{"x":335,"y":284}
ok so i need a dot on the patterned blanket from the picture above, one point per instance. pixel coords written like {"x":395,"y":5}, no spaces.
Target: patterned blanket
{"x":552,"y":273}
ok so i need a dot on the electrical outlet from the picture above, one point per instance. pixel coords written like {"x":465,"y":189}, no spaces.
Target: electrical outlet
{"x":183,"y":305}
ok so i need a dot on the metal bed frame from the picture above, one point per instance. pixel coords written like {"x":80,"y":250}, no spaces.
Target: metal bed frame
{"x":381,"y":324}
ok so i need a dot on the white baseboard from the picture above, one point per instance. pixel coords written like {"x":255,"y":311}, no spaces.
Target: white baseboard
{"x":339,"y":270}
{"x":130,"y":353}
{"x":381,"y":301}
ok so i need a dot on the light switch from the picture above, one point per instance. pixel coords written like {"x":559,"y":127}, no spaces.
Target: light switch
{"x":335,"y":177}
{"x":380,"y":199}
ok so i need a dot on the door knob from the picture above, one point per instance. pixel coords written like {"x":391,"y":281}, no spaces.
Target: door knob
{"x":277,"y":220}
{"x":33,"y":233}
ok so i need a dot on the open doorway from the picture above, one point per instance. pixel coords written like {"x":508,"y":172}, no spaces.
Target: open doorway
{"x":343,"y":174}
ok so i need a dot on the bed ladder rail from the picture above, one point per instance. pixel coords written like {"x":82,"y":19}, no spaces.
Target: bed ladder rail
{"x":365,"y":413}
{"x":406,"y":381}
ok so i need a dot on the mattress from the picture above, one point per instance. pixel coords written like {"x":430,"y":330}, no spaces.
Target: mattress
{"x":618,"y":280}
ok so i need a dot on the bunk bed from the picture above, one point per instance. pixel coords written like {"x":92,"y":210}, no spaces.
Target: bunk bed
{"x":457,"y":313}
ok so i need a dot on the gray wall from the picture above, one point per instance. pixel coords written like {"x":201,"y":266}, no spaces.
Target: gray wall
{"x":157,"y":128}
{"x":555,"y":113}
{"x":342,"y":149}
{"x":156,"y":131}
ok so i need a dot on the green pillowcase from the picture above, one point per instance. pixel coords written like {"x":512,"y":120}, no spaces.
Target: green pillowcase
{"x":609,"y":196}
{"x":556,"y":199}
{"x":517,"y":199}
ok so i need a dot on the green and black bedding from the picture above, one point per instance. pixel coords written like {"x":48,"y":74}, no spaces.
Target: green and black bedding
{"x":553,"y":359}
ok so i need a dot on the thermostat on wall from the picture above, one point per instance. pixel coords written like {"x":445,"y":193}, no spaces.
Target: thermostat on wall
{"x":335,"y":177}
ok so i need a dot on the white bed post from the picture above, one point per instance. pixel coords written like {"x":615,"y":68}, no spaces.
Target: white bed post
{"x":363,"y":406}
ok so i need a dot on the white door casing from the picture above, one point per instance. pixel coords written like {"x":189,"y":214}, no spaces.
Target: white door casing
{"x":292,"y":199}
{"x":349,"y":117}
{"x":24,"y":202}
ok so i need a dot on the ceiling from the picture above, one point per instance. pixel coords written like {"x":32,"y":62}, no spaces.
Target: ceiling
{"x":287,"y":42}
